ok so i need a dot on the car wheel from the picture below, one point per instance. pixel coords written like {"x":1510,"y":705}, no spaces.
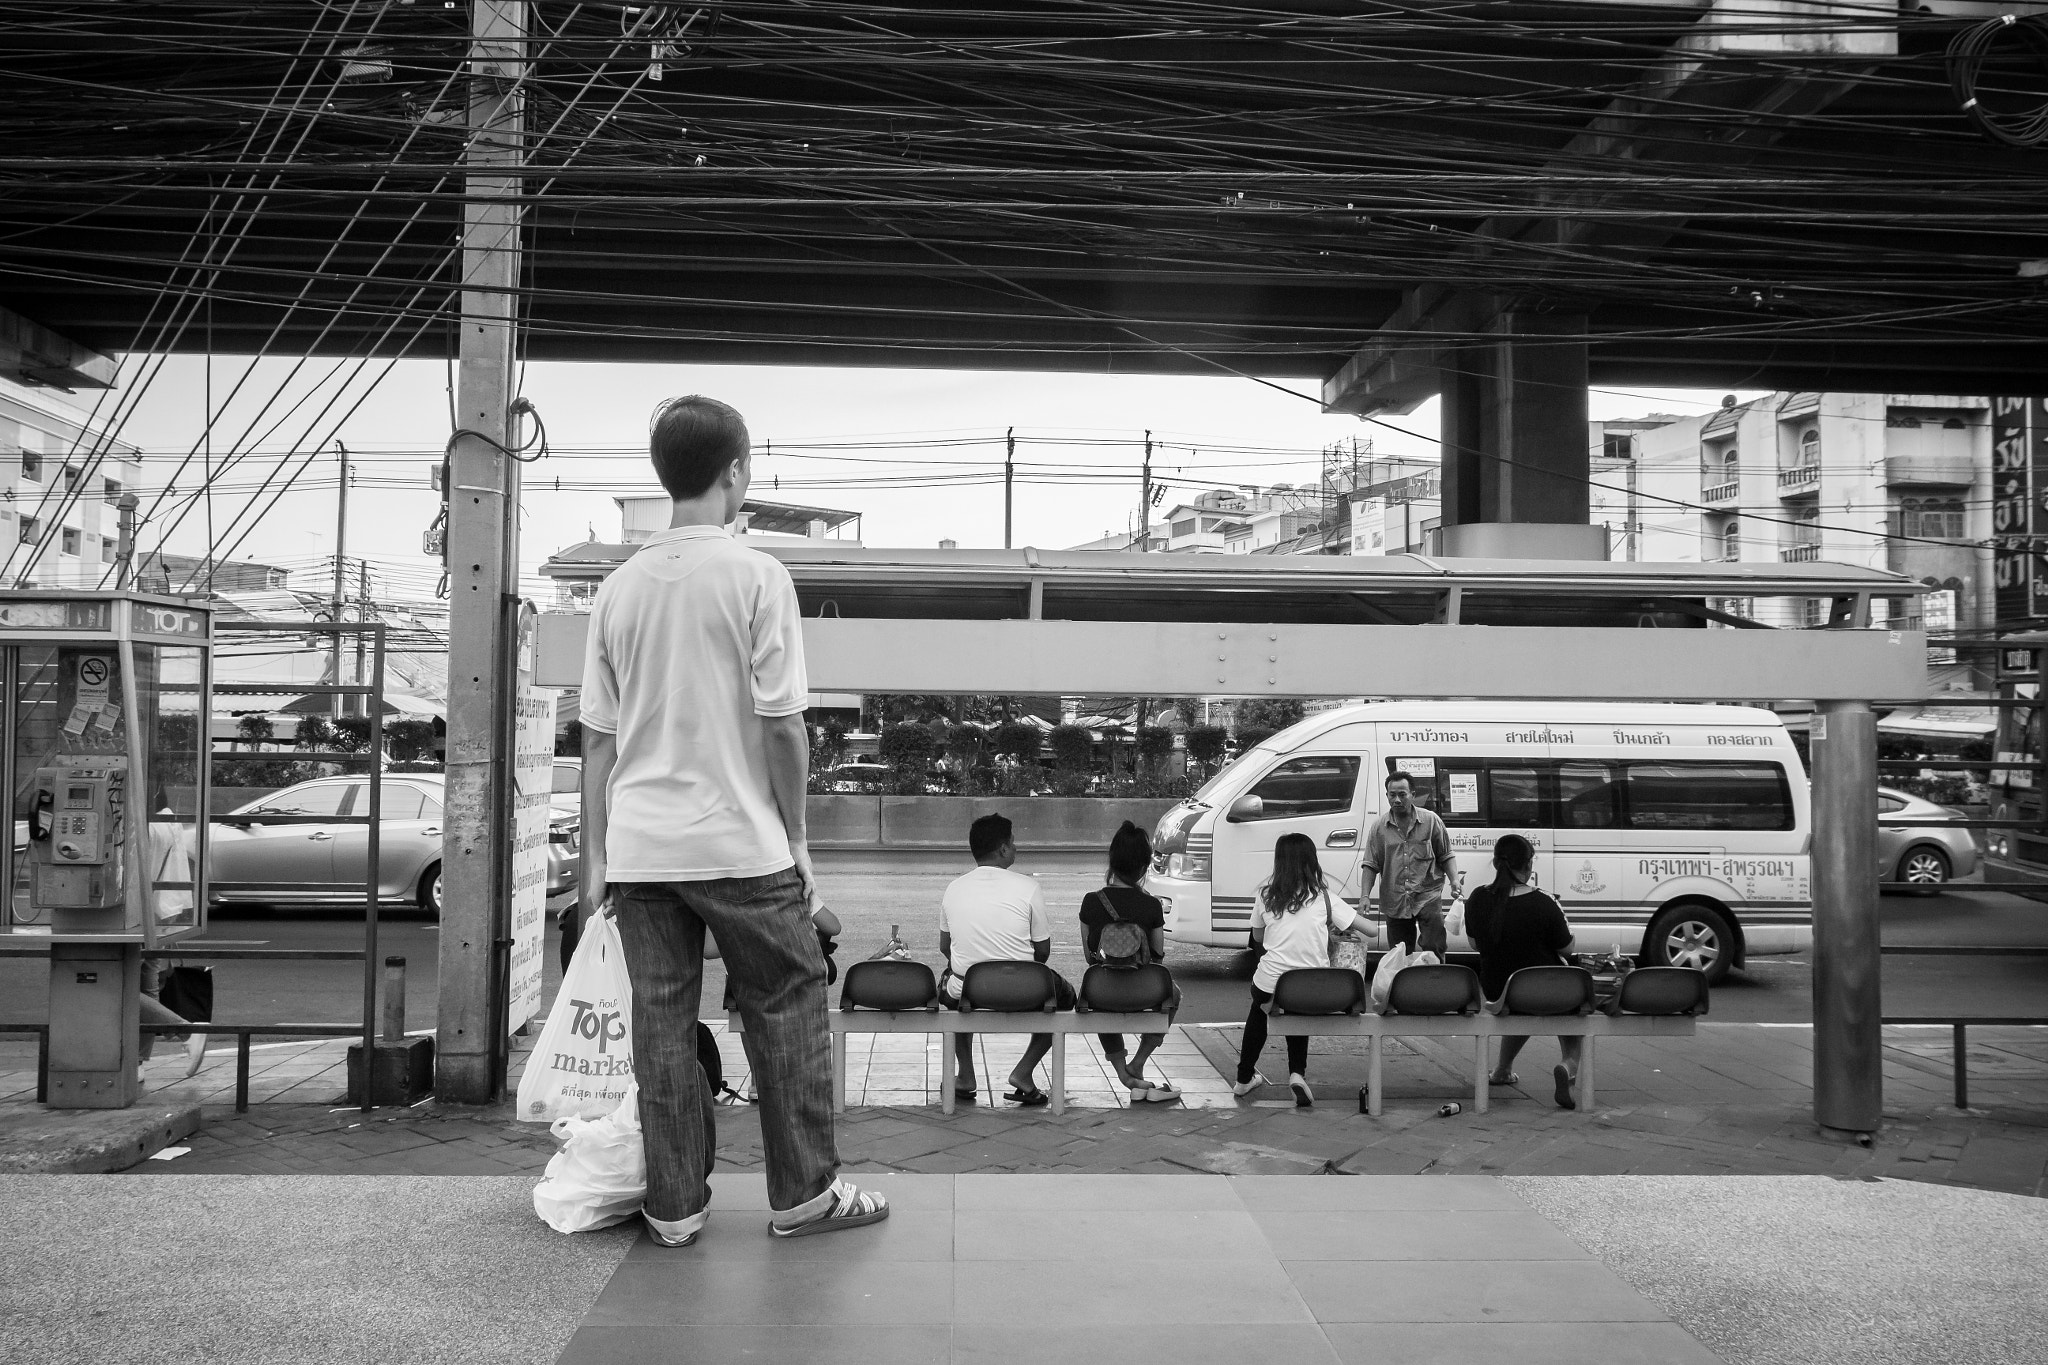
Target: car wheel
{"x":430,"y":892}
{"x":1692,"y":936}
{"x":1925,"y":866}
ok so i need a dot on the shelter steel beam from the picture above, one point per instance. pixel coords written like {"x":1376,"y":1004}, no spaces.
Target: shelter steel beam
{"x":31,"y":353}
{"x":1848,"y":1076}
{"x":483,"y":546}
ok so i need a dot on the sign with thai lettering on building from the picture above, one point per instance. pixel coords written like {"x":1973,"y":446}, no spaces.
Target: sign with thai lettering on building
{"x":2012,"y":503}
{"x":533,"y":772}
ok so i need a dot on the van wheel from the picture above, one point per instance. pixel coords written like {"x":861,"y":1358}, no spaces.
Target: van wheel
{"x":430,"y":892}
{"x":1691,"y":936}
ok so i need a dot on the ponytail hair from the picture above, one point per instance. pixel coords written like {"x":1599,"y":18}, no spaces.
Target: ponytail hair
{"x":1511,"y":854}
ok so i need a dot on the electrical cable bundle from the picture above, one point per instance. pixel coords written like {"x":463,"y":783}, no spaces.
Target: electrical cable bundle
{"x":1966,"y":58}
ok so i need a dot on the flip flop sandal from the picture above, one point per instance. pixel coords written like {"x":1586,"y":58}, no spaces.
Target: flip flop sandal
{"x":1028,"y":1099}
{"x":851,"y":1207}
{"x":1510,"y":1079}
{"x":965,"y":1096}
{"x":1564,"y":1088}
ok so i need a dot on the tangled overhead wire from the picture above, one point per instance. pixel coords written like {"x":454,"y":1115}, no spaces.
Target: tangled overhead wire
{"x":1967,"y":55}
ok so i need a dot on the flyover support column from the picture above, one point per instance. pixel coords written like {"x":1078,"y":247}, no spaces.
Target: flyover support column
{"x":483,"y":547}
{"x":1848,"y":1081}
{"x":1515,"y":460}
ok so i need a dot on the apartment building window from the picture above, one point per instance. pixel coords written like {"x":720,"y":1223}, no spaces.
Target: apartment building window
{"x":107,"y":548}
{"x":111,"y":491}
{"x":1731,"y":542}
{"x":71,"y":473}
{"x":1729,"y":461}
{"x":1930,"y":518}
{"x":70,"y":540}
{"x":1809,"y":447}
{"x":31,"y":466}
{"x":31,"y":530}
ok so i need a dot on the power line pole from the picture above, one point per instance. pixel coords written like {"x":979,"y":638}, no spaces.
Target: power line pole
{"x":483,"y":496}
{"x":335,"y":701}
{"x":362,"y":618}
{"x":1145,"y":500}
{"x":1009,"y":475}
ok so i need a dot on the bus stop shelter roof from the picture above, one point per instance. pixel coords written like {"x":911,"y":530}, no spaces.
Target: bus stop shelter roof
{"x":1755,"y":195}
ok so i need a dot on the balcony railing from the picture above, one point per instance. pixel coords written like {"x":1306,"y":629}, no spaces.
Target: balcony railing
{"x":1721,"y":492}
{"x":1799,"y":478}
{"x":1799,"y":554}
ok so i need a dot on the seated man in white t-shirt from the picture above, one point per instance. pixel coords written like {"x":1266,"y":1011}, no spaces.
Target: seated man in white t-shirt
{"x":995,"y":915}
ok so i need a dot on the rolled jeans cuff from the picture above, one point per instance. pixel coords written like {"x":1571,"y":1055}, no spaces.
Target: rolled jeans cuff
{"x":679,"y":1227}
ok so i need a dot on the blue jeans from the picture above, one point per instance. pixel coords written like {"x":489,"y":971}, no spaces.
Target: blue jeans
{"x":778,"y":984}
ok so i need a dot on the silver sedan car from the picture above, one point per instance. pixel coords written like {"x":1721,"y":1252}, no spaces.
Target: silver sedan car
{"x":1919,"y":854}
{"x":290,"y":847}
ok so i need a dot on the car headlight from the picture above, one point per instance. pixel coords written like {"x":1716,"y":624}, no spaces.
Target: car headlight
{"x":1190,"y":867}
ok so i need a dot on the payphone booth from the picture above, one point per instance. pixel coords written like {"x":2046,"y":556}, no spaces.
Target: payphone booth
{"x":104,"y":733}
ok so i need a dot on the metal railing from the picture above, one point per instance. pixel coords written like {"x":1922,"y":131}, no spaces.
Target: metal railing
{"x":1960,"y":1024}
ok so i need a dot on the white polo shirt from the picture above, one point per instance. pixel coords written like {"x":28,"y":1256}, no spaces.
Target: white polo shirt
{"x":693,"y":641}
{"x":994,"y":915}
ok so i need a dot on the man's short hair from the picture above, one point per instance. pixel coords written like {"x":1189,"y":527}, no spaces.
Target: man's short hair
{"x":691,"y":441}
{"x":987,"y":834}
{"x":1392,"y":778}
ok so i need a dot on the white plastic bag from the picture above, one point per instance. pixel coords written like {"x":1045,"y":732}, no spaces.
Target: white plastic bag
{"x":600,"y":1176}
{"x":582,"y":1066}
{"x":1383,"y":975}
{"x":1454,"y":922}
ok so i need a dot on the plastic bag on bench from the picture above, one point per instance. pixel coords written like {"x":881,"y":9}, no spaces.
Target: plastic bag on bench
{"x":600,"y":1176}
{"x":1397,"y":957}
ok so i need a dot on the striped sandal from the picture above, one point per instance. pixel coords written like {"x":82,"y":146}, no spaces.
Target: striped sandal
{"x":850,"y":1207}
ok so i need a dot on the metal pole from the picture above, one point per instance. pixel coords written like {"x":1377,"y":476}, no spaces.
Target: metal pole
{"x":1009,"y":476}
{"x":373,"y":870}
{"x":1145,"y":500}
{"x":362,"y":616}
{"x":124,"y":548}
{"x":337,"y":705}
{"x":481,"y":543}
{"x":1848,"y":1079}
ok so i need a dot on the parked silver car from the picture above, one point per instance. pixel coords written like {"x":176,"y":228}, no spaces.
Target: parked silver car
{"x":278,"y":851}
{"x":1919,"y":854}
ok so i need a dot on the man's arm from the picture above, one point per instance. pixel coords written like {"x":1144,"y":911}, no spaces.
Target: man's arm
{"x":600,"y":756}
{"x":1041,"y":949}
{"x":788,"y":747}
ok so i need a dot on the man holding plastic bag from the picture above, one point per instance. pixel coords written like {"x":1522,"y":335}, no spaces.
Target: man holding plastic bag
{"x":694,"y":769}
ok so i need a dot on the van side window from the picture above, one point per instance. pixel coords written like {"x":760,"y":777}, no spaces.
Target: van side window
{"x":1586,"y":796}
{"x":1707,"y":795}
{"x":1322,"y":784}
{"x":1514,"y":797}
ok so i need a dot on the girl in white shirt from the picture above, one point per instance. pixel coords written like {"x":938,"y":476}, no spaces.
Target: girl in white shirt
{"x":1294,"y":917}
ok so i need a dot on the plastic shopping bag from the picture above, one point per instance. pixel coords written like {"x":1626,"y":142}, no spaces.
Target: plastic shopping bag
{"x":1454,"y":922}
{"x":1383,"y":977}
{"x":582,"y":1066}
{"x":600,"y":1176}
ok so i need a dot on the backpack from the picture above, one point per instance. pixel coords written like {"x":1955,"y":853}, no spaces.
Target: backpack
{"x":1121,"y":944}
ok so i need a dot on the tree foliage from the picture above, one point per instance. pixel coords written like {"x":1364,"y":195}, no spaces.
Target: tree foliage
{"x":1271,"y":714}
{"x":1019,"y":740}
{"x":906,"y":746}
{"x":313,"y":732}
{"x":255,"y":730}
{"x":410,"y":741}
{"x":1206,"y":743}
{"x":1251,"y":735}
{"x":1072,"y":747}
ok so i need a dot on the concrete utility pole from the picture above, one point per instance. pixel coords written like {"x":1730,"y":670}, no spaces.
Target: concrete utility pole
{"x":483,"y":547}
{"x":1009,"y":473}
{"x":335,"y":701}
{"x":1145,"y":500}
{"x":1848,"y":1078}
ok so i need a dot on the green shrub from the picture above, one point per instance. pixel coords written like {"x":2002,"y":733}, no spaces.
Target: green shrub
{"x":1250,"y":735}
{"x":1019,"y":739}
{"x":1072,"y":747}
{"x":1206,"y":743}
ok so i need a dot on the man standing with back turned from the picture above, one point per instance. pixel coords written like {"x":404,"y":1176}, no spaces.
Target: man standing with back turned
{"x":694,"y":767}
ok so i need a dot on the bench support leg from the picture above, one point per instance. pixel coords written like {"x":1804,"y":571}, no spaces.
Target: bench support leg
{"x":1585,"y":1085}
{"x":1962,"y":1055}
{"x":947,"y":1078}
{"x":1375,"y":1079}
{"x":1059,"y":1074}
{"x":838,"y":1073}
{"x":1479,"y":1087}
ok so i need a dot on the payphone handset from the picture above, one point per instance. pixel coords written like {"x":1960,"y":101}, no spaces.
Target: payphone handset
{"x":77,"y":827}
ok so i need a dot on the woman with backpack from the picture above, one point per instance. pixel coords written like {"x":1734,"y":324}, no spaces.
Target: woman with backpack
{"x":1294,"y":918}
{"x":1123,"y":927}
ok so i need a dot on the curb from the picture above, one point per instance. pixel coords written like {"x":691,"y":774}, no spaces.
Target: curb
{"x":39,"y":1141}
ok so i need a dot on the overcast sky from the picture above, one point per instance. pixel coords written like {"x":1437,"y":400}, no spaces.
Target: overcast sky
{"x":1085,"y":431}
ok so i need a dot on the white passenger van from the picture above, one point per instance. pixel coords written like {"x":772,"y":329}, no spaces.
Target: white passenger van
{"x":1679,"y":833}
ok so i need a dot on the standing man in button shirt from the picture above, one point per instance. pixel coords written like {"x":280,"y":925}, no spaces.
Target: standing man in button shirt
{"x":1408,"y":852}
{"x":694,"y":769}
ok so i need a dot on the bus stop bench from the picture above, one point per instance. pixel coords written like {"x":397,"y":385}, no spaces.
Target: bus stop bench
{"x":1445,"y":1001}
{"x":950,"y":1022}
{"x":1480,"y":1027}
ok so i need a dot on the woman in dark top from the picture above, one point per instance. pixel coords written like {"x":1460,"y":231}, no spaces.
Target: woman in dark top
{"x":1513,"y":925}
{"x":1130,"y":856}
